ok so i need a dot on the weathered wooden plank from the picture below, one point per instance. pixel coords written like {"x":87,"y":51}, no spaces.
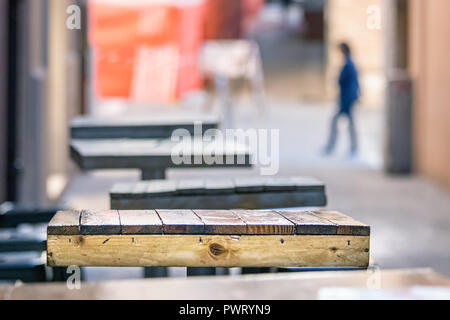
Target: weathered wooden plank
{"x":279,"y":184}
{"x":345,"y":224}
{"x":265,"y":222}
{"x":122,"y":189}
{"x":65,"y":222}
{"x":249,"y":185}
{"x":276,"y":186}
{"x":140,"y":222}
{"x":210,"y":251}
{"x":181,"y":222}
{"x":266,"y":200}
{"x":206,"y":221}
{"x":139,"y":189}
{"x":139,"y":127}
{"x":159,"y":188}
{"x":309,"y":223}
{"x":149,"y":154}
{"x":307,"y":183}
{"x":219,"y":186}
{"x":100,"y":222}
{"x":221,"y":222}
{"x":191,"y":187}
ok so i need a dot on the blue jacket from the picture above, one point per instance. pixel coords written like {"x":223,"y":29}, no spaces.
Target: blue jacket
{"x":348,"y":84}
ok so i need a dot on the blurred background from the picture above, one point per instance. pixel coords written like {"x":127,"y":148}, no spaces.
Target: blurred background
{"x":279,"y":59}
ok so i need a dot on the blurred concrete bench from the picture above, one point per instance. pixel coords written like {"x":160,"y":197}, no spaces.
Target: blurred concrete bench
{"x":21,"y":248}
{"x":12,"y":215}
{"x":21,"y":256}
{"x":15,"y":241}
{"x":243,"y":193}
{"x":154,"y":156}
{"x":156,"y":126}
{"x":26,"y":267}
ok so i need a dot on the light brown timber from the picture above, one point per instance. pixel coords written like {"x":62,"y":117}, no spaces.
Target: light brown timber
{"x":208,"y":250}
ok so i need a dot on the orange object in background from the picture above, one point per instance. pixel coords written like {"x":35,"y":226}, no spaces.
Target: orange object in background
{"x":117,"y":24}
{"x":252,"y":7}
{"x":191,"y":21}
{"x":223,"y":19}
{"x":113,"y":71}
{"x":229,"y":19}
{"x":146,"y":51}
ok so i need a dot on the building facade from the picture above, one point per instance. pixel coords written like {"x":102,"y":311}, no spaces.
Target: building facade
{"x":429,"y":67}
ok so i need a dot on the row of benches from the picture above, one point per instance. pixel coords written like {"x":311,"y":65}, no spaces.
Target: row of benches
{"x":147,"y":147}
{"x":250,"y":193}
{"x":22,"y":242}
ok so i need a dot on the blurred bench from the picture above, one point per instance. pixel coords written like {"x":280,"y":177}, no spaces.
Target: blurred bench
{"x":154,"y":156}
{"x":16,"y":241}
{"x":243,"y":193}
{"x":155,"y":126}
{"x":21,"y":256}
{"x":12,"y":215}
{"x":29,"y":267}
{"x":21,"y":247}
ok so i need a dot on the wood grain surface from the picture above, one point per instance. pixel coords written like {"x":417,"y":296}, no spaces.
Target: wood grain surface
{"x":140,"y":222}
{"x":100,"y":222}
{"x":181,"y":222}
{"x":221,"y":222}
{"x":208,"y":250}
{"x":65,"y":222}
{"x":265,"y":222}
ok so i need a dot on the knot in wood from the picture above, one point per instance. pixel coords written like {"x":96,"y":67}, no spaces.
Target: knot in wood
{"x":217,"y":249}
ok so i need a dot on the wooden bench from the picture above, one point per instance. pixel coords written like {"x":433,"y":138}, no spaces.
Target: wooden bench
{"x":152,"y":156}
{"x":207,"y":238}
{"x":244,"y":193}
{"x":155,"y":126}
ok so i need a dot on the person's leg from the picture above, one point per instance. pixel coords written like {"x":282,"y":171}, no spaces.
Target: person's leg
{"x":333,"y":133}
{"x":352,"y":131}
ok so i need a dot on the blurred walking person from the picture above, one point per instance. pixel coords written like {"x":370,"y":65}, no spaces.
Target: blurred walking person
{"x":348,"y":95}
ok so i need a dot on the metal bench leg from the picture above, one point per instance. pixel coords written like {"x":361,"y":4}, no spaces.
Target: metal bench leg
{"x":201,"y":271}
{"x":153,"y":174}
{"x":156,"y":272}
